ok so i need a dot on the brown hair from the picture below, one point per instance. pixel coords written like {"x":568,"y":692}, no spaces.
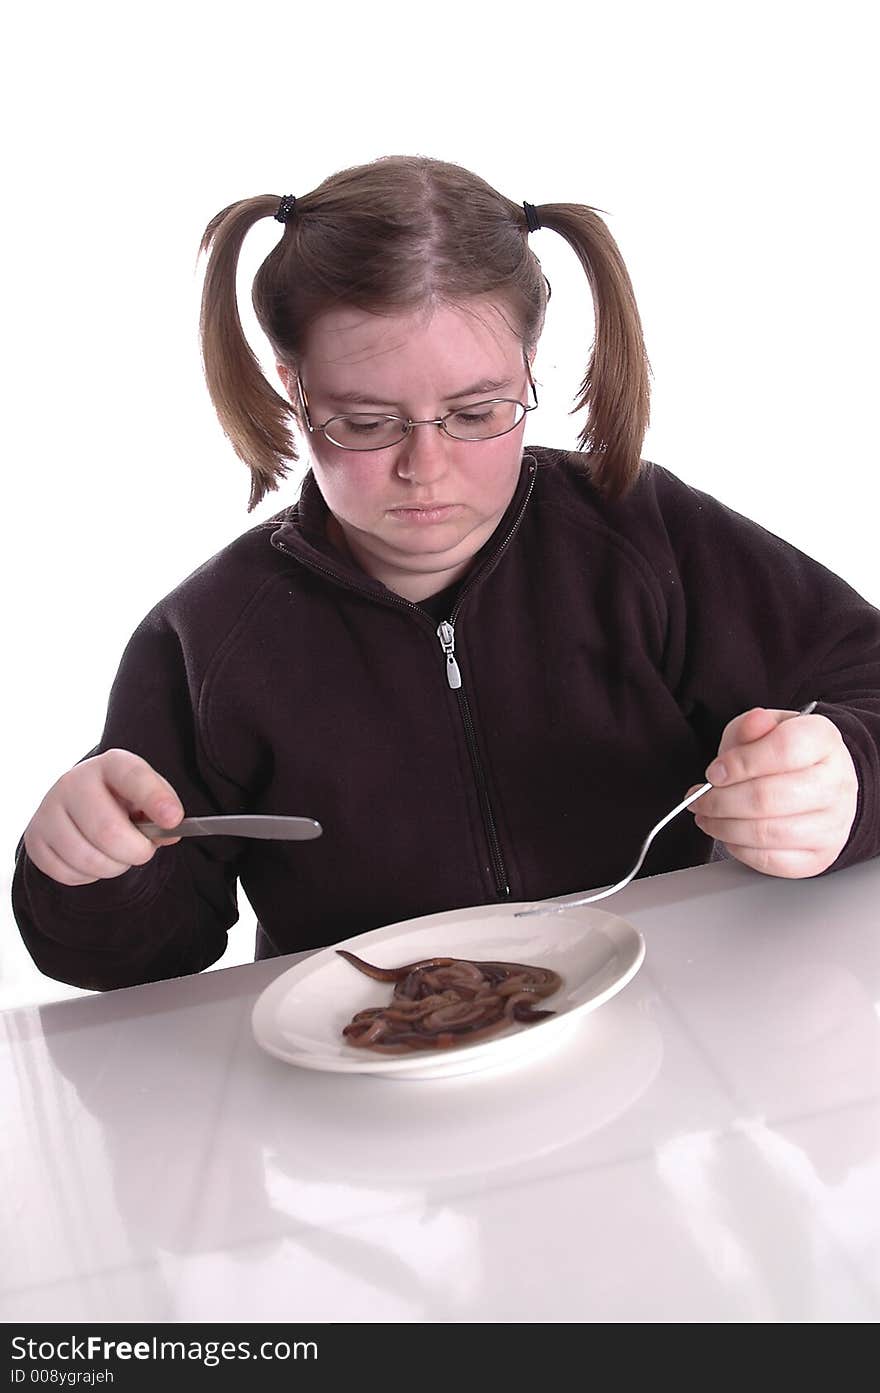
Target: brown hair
{"x":395,"y":236}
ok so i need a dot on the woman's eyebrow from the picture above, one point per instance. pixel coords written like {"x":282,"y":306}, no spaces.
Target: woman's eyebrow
{"x":362,"y":399}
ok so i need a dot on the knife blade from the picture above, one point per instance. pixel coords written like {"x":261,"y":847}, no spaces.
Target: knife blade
{"x":262,"y":826}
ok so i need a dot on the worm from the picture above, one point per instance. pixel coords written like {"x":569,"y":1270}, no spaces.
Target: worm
{"x":438,"y":1003}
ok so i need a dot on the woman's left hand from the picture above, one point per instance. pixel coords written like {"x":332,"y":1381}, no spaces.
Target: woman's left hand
{"x":786,"y":799}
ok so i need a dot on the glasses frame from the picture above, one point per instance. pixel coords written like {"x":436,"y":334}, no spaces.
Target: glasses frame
{"x":439,"y":421}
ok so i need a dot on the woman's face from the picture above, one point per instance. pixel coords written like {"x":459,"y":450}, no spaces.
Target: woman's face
{"x":413,"y":515}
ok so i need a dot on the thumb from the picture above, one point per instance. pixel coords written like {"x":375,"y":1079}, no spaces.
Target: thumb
{"x":162,"y":805}
{"x":752,"y":725}
{"x":141,"y":788}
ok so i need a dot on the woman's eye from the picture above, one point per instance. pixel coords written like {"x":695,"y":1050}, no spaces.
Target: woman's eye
{"x":471,"y":417}
{"x":362,"y":427}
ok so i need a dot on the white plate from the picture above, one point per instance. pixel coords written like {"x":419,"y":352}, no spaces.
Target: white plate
{"x":299,"y":1018}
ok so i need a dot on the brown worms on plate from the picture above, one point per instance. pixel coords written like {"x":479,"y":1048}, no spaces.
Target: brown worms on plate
{"x":441,"y":1002}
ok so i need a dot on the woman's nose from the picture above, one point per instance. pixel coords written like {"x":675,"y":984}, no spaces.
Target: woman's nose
{"x":424,"y":455}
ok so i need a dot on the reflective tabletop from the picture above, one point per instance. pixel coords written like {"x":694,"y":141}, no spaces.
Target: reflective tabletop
{"x":705,"y":1146}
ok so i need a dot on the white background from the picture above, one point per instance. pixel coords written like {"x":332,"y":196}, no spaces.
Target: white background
{"x":732,"y":149}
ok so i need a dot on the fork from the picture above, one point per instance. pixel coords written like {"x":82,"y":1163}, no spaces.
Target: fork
{"x":549,"y":908}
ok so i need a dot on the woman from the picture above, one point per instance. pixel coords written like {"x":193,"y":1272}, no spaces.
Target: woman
{"x":486,"y":669}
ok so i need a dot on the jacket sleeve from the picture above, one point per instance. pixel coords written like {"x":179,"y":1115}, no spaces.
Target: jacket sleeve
{"x":171,"y":916}
{"x":756,"y":622}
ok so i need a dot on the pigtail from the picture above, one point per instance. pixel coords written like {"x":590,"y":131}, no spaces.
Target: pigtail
{"x":254,"y":417}
{"x":615,"y":388}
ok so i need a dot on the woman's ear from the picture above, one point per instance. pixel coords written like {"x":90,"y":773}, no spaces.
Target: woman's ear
{"x":285,"y":374}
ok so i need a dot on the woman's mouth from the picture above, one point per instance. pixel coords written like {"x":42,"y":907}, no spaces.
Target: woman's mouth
{"x":425,"y":514}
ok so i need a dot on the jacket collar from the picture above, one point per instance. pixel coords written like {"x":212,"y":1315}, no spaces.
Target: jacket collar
{"x":303,"y":531}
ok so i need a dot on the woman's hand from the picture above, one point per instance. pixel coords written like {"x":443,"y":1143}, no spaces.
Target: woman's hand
{"x":785,"y":793}
{"x":83,"y":829}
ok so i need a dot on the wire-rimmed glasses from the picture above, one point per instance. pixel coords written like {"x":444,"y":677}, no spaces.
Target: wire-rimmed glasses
{"x":369,"y":430}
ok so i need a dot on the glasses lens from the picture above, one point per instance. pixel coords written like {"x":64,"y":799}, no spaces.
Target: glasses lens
{"x":485,"y":419}
{"x":363,"y":432}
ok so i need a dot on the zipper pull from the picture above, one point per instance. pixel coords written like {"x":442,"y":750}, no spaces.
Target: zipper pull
{"x":446,"y":635}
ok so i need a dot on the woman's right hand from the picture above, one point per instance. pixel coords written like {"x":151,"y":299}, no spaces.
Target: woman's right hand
{"x":83,"y":829}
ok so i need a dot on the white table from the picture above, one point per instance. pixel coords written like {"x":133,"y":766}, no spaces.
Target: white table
{"x":706,"y":1147}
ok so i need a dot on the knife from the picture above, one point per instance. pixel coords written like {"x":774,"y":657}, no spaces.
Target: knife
{"x":266,"y":828}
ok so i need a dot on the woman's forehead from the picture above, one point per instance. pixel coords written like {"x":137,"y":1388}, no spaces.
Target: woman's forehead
{"x":346,"y":335}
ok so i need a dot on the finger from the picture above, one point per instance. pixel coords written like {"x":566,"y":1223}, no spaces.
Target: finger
{"x":693,"y":788}
{"x":808,"y":832}
{"x":108,"y":831}
{"x":138,"y":815}
{"x":788,"y":746}
{"x":62,"y":847}
{"x":751,"y":725}
{"x":776,"y":795}
{"x":138,"y":785}
{"x":46,"y":859}
{"x":788,"y":865}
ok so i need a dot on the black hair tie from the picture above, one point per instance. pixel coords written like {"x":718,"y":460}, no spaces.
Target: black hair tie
{"x":532,"y":220}
{"x":286,"y":207}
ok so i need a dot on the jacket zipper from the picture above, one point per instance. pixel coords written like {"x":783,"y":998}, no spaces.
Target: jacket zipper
{"x":446,"y":634}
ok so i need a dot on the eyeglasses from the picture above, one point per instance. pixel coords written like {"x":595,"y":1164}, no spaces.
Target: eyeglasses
{"x":364,"y":430}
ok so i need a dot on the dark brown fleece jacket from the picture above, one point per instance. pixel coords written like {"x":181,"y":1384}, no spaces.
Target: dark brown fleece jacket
{"x":602,"y":649}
